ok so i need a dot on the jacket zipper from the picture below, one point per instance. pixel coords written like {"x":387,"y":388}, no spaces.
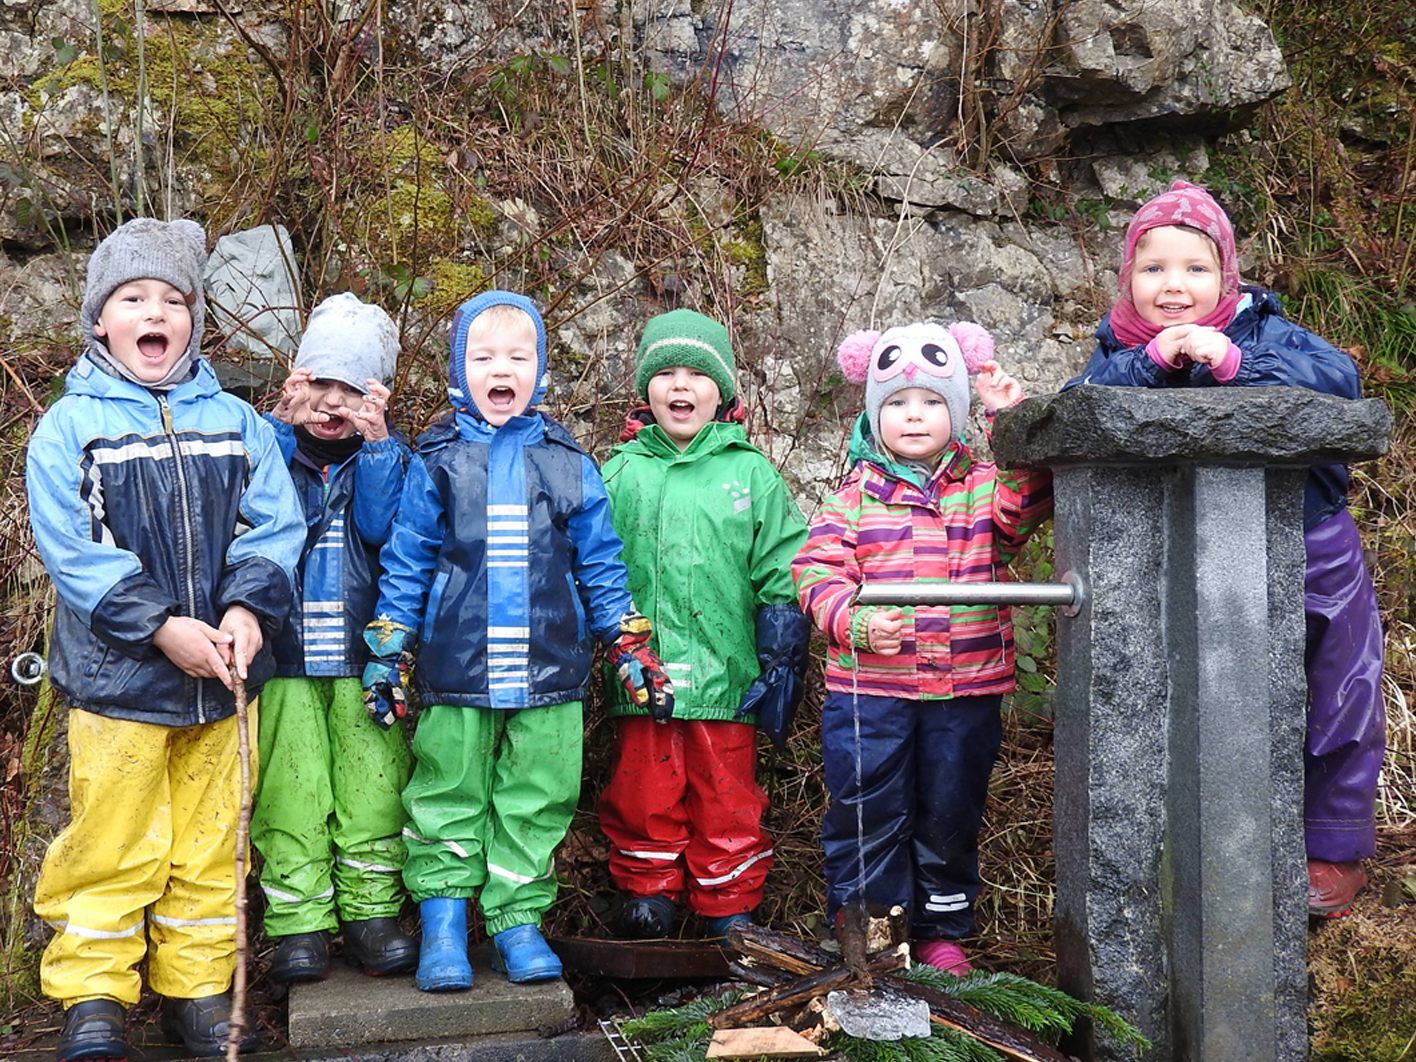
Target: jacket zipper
{"x":187,"y":537}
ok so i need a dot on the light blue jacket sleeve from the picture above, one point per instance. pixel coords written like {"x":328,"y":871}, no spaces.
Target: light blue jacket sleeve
{"x":284,"y":436}
{"x":87,"y":569}
{"x":600,"y":574}
{"x":379,"y":469}
{"x":409,"y":557}
{"x":271,"y":532}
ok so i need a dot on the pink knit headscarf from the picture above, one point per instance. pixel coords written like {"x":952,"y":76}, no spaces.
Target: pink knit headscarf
{"x":1189,"y":205}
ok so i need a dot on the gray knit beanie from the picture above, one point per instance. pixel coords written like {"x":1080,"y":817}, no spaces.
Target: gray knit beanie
{"x":148,"y":249}
{"x":349,"y":340}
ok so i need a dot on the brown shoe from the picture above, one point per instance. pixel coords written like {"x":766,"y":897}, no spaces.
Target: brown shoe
{"x":1332,"y":887}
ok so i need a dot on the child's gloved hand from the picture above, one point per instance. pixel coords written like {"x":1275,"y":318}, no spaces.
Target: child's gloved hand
{"x":783,"y":634}
{"x":639,"y":670}
{"x":386,"y":674}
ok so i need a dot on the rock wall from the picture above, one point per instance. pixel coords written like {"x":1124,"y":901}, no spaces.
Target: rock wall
{"x":942,"y":125}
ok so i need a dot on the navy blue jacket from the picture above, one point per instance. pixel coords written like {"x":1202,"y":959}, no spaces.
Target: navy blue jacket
{"x":147,"y":505}
{"x":349,"y":509}
{"x":1274,"y":352}
{"x":504,"y":559}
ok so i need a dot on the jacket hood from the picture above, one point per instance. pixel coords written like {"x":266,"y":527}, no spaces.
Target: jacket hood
{"x":714,"y":437}
{"x":462,"y":318}
{"x":87,"y":378}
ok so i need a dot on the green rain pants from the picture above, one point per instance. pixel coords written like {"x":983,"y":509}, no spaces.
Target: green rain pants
{"x":491,"y":797}
{"x":328,"y":818}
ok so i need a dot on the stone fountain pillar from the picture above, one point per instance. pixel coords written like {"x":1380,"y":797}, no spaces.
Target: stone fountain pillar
{"x":1177,"y":824}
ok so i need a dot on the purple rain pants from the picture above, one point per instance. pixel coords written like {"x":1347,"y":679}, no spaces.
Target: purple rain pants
{"x":1346,"y":718}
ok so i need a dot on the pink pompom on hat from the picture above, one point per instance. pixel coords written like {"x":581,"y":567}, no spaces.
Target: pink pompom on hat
{"x":926,"y":354}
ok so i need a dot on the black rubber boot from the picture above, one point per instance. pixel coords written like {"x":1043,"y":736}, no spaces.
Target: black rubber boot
{"x":93,"y":1029}
{"x":300,"y":957}
{"x":378,"y":946}
{"x":202,"y":1025}
{"x":647,"y":917}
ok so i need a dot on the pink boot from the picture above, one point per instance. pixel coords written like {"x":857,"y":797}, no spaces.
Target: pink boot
{"x":943,"y":955}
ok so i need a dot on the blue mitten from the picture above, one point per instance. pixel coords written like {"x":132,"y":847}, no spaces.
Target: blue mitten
{"x":783,"y":637}
{"x":386,"y":674}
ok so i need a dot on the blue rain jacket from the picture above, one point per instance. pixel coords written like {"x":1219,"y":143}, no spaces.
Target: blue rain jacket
{"x":349,"y":510}
{"x":504,"y":560}
{"x":150,"y":504}
{"x":1275,"y":352}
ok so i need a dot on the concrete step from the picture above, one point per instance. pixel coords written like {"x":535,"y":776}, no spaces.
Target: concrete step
{"x":350,"y":1009}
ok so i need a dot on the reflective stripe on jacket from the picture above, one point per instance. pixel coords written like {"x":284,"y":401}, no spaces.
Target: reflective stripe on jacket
{"x":147,"y":505}
{"x":349,"y":509}
{"x":504,"y":558}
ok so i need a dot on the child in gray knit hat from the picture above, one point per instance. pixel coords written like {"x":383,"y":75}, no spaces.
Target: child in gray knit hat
{"x":170,"y":528}
{"x":329,"y":819}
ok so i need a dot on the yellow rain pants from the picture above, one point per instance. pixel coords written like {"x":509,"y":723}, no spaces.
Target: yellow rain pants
{"x":150,"y":851}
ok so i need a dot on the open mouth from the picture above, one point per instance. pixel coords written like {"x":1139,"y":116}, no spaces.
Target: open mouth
{"x":681,"y":408}
{"x":331,"y":427}
{"x":153,"y":346}
{"x":501,"y":397}
{"x":1173,"y":308}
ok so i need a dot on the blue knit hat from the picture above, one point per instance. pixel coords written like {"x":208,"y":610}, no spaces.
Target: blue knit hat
{"x":462,"y":318}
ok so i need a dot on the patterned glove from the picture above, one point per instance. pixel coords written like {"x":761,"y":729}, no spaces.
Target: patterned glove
{"x":640,"y":670}
{"x":386,"y":673}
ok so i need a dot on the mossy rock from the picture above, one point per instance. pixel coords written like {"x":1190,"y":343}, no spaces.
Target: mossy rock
{"x":1363,"y":968}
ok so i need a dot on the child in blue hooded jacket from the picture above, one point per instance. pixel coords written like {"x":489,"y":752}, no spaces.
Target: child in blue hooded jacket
{"x":502,"y":571}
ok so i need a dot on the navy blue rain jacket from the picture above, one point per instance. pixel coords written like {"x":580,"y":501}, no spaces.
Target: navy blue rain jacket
{"x":1275,"y":352}
{"x":349,"y":510}
{"x":149,"y":504}
{"x":503,"y":558}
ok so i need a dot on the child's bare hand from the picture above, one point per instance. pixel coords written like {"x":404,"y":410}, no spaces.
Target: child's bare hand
{"x":882,"y":634}
{"x":245,"y":637}
{"x":996,"y":389}
{"x":196,"y":648}
{"x":1206,"y":346}
{"x":369,"y":420}
{"x":293,"y":407}
{"x":1171,"y":343}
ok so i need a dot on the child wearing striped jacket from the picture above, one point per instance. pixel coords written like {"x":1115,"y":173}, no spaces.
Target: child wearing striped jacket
{"x":922,"y":686}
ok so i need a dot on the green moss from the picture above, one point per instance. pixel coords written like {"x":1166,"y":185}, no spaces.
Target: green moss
{"x":19,"y":970}
{"x":478,"y":213}
{"x":403,"y":148}
{"x":452,"y":284}
{"x":748,"y":251}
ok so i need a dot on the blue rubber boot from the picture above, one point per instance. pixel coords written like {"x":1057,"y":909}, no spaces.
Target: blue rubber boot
{"x":524,"y":956}
{"x":442,"y":956}
{"x":717,"y":928}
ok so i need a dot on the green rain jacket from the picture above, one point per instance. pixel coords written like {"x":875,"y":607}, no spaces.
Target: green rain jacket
{"x":709,"y":535}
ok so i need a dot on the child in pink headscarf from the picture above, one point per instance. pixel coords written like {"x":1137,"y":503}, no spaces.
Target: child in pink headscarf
{"x":1182,"y":319}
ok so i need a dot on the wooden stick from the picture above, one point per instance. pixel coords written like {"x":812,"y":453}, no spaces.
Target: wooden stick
{"x":243,"y":835}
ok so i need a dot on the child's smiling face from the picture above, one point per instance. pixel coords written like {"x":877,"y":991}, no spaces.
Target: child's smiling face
{"x":915,"y":424}
{"x":146,"y":325}
{"x":682,"y":401}
{"x":1176,"y":276}
{"x":501,"y":367}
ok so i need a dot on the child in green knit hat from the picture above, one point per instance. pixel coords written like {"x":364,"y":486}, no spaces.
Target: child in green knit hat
{"x":683,"y":810}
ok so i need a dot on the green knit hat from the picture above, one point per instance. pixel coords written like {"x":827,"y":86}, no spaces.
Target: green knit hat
{"x":683,"y":337}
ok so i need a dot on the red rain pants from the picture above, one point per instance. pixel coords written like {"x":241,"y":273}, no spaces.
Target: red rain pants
{"x":683,"y":812}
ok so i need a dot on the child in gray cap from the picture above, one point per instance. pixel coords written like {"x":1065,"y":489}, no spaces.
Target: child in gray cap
{"x":328,"y":818}
{"x":170,"y":529}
